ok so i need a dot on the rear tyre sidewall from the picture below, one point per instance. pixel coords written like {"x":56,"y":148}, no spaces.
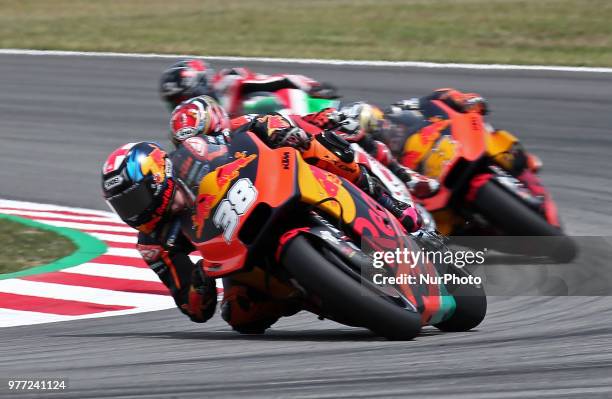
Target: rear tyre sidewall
{"x":345,"y":297}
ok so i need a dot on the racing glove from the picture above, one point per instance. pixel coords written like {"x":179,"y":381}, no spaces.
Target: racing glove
{"x":407,"y":215}
{"x":279,"y":131}
{"x":337,"y":121}
{"x":326,"y":119}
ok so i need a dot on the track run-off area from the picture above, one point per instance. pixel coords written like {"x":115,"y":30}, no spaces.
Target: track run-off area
{"x":107,"y":276}
{"x":60,"y":116}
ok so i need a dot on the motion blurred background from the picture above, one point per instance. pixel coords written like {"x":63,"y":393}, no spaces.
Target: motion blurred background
{"x":567,"y":32}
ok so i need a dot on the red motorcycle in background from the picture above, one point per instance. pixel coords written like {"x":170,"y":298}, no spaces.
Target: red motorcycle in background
{"x":242,"y":91}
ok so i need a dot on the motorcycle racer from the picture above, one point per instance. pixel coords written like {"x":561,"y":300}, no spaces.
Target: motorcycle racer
{"x":410,"y":114}
{"x":140,"y":185}
{"x":154,"y":192}
{"x":184,"y":80}
{"x":323,"y":148}
{"x":191,"y":78}
{"x":360,"y":123}
{"x":232,"y":85}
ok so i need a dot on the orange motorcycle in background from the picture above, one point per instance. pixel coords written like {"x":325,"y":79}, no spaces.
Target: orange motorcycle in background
{"x":488,"y":183}
{"x":291,"y":230}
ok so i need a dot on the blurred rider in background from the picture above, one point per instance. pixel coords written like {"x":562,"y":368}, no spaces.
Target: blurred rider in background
{"x":363,"y":124}
{"x":184,"y":80}
{"x":234,"y":85}
{"x":406,"y":119}
{"x":193,"y":77}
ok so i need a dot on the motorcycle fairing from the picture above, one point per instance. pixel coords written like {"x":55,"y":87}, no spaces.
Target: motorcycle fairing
{"x":283,"y":183}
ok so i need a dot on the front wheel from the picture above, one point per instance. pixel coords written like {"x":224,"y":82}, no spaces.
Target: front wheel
{"x":470,"y":309}
{"x":345,"y":298}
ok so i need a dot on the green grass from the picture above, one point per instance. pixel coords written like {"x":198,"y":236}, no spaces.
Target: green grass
{"x":570,"y":32}
{"x":25,"y":247}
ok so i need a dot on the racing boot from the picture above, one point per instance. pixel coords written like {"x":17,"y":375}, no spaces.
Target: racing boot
{"x":201,"y":297}
{"x":407,"y":215}
{"x":423,"y":187}
{"x":249,"y":311}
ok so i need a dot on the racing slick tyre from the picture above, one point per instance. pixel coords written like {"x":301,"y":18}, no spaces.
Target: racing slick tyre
{"x":471,"y":306}
{"x":515,"y":218}
{"x":342,"y":295}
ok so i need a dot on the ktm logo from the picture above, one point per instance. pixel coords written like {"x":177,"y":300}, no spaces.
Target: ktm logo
{"x":285,"y":160}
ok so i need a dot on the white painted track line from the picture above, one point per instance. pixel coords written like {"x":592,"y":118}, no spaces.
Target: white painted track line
{"x":12,"y":318}
{"x":401,"y":64}
{"x":84,"y":294}
{"x":116,"y":237}
{"x":49,"y":207}
{"x":9,"y":317}
{"x":45,"y":214}
{"x":114,"y":271}
{"x":131,"y":253}
{"x":86,"y":226}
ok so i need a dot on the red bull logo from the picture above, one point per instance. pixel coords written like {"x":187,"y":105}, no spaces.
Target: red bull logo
{"x":410,"y":159}
{"x":430,"y":133}
{"x":230,"y":171}
{"x":154,"y":163}
{"x":328,"y":181}
{"x":213,"y":187}
{"x":204,"y":204}
{"x":274,"y":123}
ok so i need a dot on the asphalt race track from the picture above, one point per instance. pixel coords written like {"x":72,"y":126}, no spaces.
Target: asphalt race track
{"x":61,"y":116}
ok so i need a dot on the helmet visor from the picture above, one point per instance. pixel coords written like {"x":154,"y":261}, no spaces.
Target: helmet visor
{"x":131,"y":203}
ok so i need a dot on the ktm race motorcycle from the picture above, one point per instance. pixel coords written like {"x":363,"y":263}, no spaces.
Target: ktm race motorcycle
{"x":290,"y":229}
{"x":488,"y":182}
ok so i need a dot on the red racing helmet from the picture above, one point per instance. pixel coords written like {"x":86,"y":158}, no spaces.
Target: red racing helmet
{"x":196,"y":117}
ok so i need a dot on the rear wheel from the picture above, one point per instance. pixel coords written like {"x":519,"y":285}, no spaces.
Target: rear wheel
{"x":345,"y":298}
{"x":514,"y":218}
